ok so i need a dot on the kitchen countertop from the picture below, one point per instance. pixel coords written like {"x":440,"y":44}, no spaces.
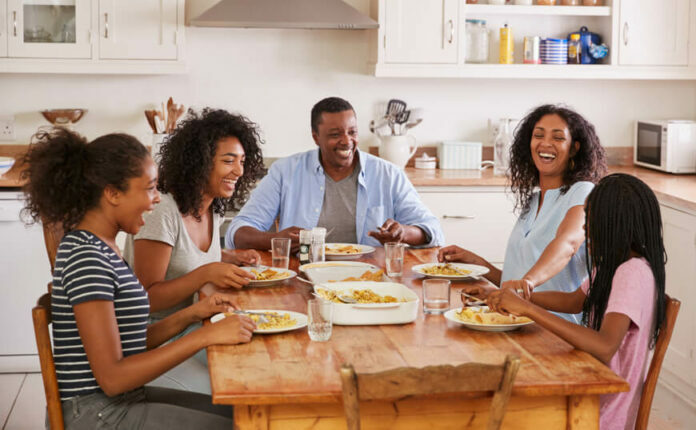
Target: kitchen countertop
{"x":673,"y":190}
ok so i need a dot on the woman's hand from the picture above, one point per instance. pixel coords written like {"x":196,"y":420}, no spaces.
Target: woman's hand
{"x":225,"y":275}
{"x":212,"y":305}
{"x":523,"y":286}
{"x":454,"y":253}
{"x":242,"y":257}
{"x":480,"y":291}
{"x":231,"y":330}
{"x":507,"y":302}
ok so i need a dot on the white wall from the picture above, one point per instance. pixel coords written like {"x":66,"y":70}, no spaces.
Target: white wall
{"x":275,"y":76}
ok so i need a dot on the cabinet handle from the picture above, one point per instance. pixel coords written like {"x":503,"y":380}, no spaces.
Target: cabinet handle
{"x":625,"y":33}
{"x":14,"y":23}
{"x":451,"y":36}
{"x":106,"y":25}
{"x":458,"y":216}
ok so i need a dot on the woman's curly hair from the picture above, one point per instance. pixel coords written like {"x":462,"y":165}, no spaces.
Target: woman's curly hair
{"x":186,"y":159}
{"x":587,"y":164}
{"x":66,"y":176}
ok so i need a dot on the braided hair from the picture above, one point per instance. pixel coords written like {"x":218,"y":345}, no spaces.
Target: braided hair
{"x":622,"y":215}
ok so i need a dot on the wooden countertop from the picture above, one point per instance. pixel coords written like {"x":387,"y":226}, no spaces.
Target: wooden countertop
{"x":289,"y":368}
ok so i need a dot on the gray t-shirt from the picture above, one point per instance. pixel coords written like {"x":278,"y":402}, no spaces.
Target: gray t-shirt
{"x":165,"y":224}
{"x":338,"y":210}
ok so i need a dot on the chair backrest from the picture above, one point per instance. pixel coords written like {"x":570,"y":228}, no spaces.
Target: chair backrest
{"x":53,"y":233}
{"x":41,"y":314}
{"x":409,"y":381}
{"x":671,"y":311}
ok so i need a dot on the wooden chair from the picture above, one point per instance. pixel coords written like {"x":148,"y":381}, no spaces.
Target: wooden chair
{"x":408,"y":381}
{"x":671,"y":311}
{"x":41,"y":314}
{"x":53,"y":233}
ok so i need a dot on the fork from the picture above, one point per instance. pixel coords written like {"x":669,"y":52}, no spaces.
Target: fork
{"x":262,"y":315}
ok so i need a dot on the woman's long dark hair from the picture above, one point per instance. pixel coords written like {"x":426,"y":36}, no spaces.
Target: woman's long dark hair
{"x":588,"y":164}
{"x":622,"y":215}
{"x":186,"y":159}
{"x":66,"y":176}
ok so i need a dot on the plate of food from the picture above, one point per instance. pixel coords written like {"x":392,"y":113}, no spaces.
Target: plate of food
{"x":267,"y":276}
{"x":270,"y":321}
{"x":452,"y":271}
{"x":482,"y":319}
{"x":346,"y":251}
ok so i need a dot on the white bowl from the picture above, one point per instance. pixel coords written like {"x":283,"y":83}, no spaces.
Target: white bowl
{"x":6,"y":164}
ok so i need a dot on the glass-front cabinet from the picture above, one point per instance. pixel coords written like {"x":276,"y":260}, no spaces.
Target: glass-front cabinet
{"x":49,"y":28}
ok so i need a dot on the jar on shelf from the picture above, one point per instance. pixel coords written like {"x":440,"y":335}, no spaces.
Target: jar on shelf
{"x":471,"y":1}
{"x":591,"y":2}
{"x":476,"y":41}
{"x":546,"y":2}
{"x":570,"y":2}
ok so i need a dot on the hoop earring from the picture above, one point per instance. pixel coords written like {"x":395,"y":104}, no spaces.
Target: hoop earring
{"x":571,"y":165}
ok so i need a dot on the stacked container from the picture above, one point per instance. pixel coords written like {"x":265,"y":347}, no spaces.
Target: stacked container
{"x":554,"y":51}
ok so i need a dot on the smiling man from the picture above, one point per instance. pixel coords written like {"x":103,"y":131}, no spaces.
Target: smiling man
{"x":359,"y":198}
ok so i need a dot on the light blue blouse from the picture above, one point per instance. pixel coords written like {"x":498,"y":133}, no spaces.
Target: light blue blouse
{"x":534,"y":231}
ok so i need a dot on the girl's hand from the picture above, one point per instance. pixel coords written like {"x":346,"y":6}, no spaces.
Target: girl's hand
{"x":507,"y":302}
{"x":212,"y":305}
{"x":225,"y":275}
{"x":480,"y":291}
{"x":231,"y":330}
{"x":243,"y":257}
{"x":524,"y":287}
{"x":453,"y":253}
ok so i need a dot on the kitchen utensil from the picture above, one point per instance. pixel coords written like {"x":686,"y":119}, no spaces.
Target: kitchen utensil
{"x":64,"y":117}
{"x":412,"y":124}
{"x":401,"y":119}
{"x":476,"y":301}
{"x":262,"y":315}
{"x":346,"y":299}
{"x":394,"y":107}
{"x":150,"y":116}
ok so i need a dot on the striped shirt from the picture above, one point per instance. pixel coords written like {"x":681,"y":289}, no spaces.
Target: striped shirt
{"x":88,"y":269}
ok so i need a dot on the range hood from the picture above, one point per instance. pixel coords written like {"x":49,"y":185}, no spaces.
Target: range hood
{"x":313,"y":14}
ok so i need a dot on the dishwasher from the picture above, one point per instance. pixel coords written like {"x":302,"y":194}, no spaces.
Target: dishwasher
{"x":25,"y":273}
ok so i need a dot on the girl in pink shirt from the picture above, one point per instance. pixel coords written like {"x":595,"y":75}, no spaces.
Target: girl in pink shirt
{"x":623,"y":301}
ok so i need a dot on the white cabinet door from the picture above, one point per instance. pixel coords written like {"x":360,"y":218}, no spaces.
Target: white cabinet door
{"x":478,"y":221}
{"x":3,"y":28}
{"x":49,"y":28}
{"x":654,"y":33}
{"x":421,"y":31}
{"x":138,"y":30}
{"x":679,"y":231}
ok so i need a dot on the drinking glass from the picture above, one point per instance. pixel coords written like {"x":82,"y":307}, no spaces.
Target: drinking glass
{"x":436,"y":296}
{"x":394,"y":258}
{"x":320,"y":313}
{"x":280,"y":252}
{"x":317,"y":250}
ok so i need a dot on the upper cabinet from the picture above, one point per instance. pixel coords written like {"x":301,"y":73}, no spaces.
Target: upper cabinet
{"x":654,"y":33}
{"x":417,"y":31}
{"x":138,"y":30}
{"x":92,"y":36}
{"x":646,"y":39}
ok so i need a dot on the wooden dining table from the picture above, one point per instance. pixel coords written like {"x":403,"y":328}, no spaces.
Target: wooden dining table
{"x":286,"y":381}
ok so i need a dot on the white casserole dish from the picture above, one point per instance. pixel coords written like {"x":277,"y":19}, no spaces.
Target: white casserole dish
{"x":337,"y":272}
{"x":374,"y":313}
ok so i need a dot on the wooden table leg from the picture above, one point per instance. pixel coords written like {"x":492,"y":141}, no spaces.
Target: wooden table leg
{"x":252,"y":417}
{"x":583,"y":412}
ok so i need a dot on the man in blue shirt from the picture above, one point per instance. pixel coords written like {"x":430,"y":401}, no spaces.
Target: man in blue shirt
{"x":359,"y":198}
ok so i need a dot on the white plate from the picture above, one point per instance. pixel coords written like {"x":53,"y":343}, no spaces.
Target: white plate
{"x":255,"y":283}
{"x":300,"y":320}
{"x":364,"y":249}
{"x":450,"y":315}
{"x":475,"y":270}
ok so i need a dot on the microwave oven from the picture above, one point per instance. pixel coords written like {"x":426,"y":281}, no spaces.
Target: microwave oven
{"x":667,"y":145}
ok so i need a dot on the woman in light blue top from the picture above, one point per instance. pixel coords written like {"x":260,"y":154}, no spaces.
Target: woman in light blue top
{"x":555,"y":160}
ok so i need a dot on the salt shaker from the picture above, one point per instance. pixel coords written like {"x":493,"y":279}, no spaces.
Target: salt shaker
{"x":318,"y":238}
{"x":305,"y":245}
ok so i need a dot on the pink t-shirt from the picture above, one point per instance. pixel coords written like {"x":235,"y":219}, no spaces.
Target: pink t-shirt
{"x":632,"y":294}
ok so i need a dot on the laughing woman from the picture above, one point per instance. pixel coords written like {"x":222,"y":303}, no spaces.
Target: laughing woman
{"x":555,"y":160}
{"x":212,"y":159}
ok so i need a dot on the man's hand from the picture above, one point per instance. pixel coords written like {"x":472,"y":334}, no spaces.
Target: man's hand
{"x":508,"y":302}
{"x":294,"y":234}
{"x":390,"y":231}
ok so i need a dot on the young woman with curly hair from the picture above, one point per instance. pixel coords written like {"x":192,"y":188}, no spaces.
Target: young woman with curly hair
{"x":103,"y":347}
{"x":555,"y":160}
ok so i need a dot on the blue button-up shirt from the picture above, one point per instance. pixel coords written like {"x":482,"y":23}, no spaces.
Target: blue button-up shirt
{"x":293,"y":192}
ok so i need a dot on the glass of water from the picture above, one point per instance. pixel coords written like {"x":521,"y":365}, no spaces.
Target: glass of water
{"x":320,"y":313}
{"x":436,"y":296}
{"x":394,"y":258}
{"x":280,"y":252}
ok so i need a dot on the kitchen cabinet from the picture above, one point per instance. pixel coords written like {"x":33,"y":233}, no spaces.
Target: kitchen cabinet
{"x":417,"y":31}
{"x":3,"y":28}
{"x":479,"y":219}
{"x":138,"y":30}
{"x":654,"y":33}
{"x":49,"y":28}
{"x":679,"y":230}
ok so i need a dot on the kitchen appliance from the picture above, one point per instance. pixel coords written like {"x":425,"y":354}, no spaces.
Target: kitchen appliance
{"x":667,"y":145}
{"x":25,"y":275}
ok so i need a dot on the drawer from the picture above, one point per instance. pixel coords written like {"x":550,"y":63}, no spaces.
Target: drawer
{"x":478,"y":221}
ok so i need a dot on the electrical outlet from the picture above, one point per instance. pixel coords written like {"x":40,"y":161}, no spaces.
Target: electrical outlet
{"x":7,"y":128}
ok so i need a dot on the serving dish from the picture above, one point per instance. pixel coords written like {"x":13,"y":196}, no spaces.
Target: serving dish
{"x":320,"y":273}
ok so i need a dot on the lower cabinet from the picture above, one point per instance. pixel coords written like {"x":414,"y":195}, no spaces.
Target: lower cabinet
{"x":679,"y":229}
{"x":479,"y":219}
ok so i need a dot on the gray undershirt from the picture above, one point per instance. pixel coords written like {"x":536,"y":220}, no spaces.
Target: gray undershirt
{"x":338,"y":210}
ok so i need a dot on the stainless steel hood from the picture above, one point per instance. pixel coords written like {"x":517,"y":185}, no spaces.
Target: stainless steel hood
{"x":314,"y":14}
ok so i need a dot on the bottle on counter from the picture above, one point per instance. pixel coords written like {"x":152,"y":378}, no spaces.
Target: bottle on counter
{"x":574,"y":49}
{"x":501,"y":148}
{"x":507,"y":46}
{"x":305,"y":245}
